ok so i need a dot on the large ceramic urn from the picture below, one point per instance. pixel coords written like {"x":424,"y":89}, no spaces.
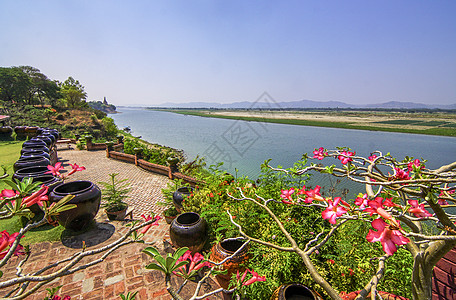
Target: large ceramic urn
{"x":189,"y":230}
{"x":225,"y":249}
{"x":87,"y":197}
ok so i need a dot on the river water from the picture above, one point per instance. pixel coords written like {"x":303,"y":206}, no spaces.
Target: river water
{"x":243,"y":145}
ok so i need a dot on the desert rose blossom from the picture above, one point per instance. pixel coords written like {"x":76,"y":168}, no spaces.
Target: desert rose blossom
{"x":417,"y":163}
{"x":148,"y":218}
{"x":313,"y":195}
{"x":386,"y":234}
{"x":55,"y":170}
{"x":333,"y":211}
{"x":320,"y":153}
{"x":7,"y":240}
{"x":345,"y":156}
{"x":36,"y":197}
{"x":75,"y":168}
{"x":286,"y":196}
{"x":418,"y":209}
{"x":255,"y":277}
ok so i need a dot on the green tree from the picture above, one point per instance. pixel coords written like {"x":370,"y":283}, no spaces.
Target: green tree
{"x":41,"y":87}
{"x":14,"y":84}
{"x":73,"y":92}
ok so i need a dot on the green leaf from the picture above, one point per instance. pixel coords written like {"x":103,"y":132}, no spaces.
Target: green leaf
{"x":180,"y":264}
{"x":154,"y":266}
{"x":179,"y":252}
{"x":151,"y":251}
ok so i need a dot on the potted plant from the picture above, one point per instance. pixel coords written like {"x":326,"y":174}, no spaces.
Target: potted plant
{"x":170,"y":214}
{"x":113,"y":193}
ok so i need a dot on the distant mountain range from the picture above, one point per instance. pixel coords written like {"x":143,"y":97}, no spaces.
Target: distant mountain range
{"x":305,"y":104}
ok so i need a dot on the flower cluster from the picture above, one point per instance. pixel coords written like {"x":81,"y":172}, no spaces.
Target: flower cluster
{"x":147,"y":227}
{"x":196,"y":262}
{"x":243,"y":281}
{"x":6,"y":240}
{"x":55,"y":170}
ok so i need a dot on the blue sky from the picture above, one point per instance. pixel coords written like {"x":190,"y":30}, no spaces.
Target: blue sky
{"x":151,"y":52}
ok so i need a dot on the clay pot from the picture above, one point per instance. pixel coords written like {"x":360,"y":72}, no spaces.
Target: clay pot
{"x":224,"y":249}
{"x":180,"y":195}
{"x":35,"y":148}
{"x":30,"y":172}
{"x":117,"y":215}
{"x":6,"y":130}
{"x":87,"y":198}
{"x":189,"y":230}
{"x":295,"y":291}
{"x":32,"y":161}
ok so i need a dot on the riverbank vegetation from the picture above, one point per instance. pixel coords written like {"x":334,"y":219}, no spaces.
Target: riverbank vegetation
{"x":429,"y":122}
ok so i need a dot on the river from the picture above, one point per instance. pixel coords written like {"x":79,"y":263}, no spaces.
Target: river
{"x":243,"y":145}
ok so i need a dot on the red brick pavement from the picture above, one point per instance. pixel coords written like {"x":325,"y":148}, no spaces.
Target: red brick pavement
{"x":122,"y":271}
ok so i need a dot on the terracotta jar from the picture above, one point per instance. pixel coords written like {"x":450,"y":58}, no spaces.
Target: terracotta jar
{"x":224,"y":249}
{"x":87,"y":197}
{"x":294,"y":291}
{"x":189,"y":230}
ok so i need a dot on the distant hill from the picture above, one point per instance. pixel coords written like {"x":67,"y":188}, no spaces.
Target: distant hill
{"x":305,"y":104}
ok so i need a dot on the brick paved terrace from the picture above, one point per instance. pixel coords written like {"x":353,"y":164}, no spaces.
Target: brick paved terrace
{"x":124,"y":270}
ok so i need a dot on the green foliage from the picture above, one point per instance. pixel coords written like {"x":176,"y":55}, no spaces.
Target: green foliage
{"x":129,"y":296}
{"x":152,"y":153}
{"x":114,"y":192}
{"x":110,"y":127}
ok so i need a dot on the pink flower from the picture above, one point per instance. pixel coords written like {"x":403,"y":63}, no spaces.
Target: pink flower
{"x":75,"y":168}
{"x":255,"y":277}
{"x":36,"y":197}
{"x":388,"y":235}
{"x":197,"y":261}
{"x":55,"y":170}
{"x":345,"y":156}
{"x":443,"y":201}
{"x":286,"y":195}
{"x":333,"y":211}
{"x":376,"y":207}
{"x":331,"y":261}
{"x":372,"y":157}
{"x":148,"y":218}
{"x":8,"y":193}
{"x":320,"y":153}
{"x":362,"y":202}
{"x":401,"y":174}
{"x":7,"y":240}
{"x":313,"y":195}
{"x":418,"y":209}
{"x":415,"y":163}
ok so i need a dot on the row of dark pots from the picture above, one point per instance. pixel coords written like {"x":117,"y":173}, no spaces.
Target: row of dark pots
{"x":35,"y":157}
{"x":38,"y":151}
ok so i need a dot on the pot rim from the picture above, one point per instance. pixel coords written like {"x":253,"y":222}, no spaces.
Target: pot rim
{"x":72,"y":182}
{"x":186,"y":214}
{"x":23,"y":171}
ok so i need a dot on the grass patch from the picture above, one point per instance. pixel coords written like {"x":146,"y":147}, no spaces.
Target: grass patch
{"x":433,"y":123}
{"x":11,"y":151}
{"x":451,"y":125}
{"x":401,"y":122}
{"x":36,"y":235}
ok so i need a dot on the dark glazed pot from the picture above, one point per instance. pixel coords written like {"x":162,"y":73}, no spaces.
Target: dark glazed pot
{"x":295,"y":291}
{"x":48,"y":180}
{"x":30,"y":172}
{"x":224,"y":249}
{"x":188,"y":230}
{"x":45,"y":139}
{"x":87,"y":197}
{"x":31,"y":161}
{"x":33,"y":143}
{"x":34,"y":153}
{"x":6,"y":129}
{"x":180,"y":195}
{"x":29,"y":148}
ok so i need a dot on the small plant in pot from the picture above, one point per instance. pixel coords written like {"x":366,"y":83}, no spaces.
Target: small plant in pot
{"x":113,"y":193}
{"x":170,"y":214}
